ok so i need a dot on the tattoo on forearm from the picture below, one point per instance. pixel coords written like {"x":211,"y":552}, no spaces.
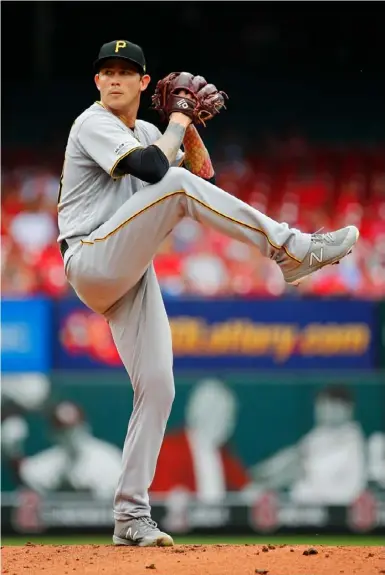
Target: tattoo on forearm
{"x":171,"y":141}
{"x":197,"y":159}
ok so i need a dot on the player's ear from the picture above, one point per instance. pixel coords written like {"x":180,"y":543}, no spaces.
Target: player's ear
{"x":144,"y":82}
{"x":96,"y":78}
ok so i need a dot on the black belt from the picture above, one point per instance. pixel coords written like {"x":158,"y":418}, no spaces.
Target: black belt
{"x":63,"y":247}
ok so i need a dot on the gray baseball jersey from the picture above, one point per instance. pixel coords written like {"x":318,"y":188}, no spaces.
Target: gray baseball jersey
{"x":91,"y":187}
{"x":114,"y":226}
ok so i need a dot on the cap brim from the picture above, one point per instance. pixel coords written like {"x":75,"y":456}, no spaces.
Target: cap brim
{"x":98,"y":63}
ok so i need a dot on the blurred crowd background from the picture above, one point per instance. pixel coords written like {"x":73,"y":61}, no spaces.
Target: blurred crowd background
{"x":310,"y":187}
{"x":303,"y":138}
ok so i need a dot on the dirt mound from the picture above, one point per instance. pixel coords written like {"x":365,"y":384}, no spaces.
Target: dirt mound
{"x":192,"y":560}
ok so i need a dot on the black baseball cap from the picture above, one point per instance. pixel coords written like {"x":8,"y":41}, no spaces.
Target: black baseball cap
{"x":124,"y":50}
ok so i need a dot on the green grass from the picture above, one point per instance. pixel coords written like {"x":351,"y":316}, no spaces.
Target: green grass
{"x":202,"y":540}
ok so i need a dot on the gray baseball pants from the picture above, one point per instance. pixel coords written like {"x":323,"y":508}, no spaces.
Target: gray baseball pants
{"x":112,"y":273}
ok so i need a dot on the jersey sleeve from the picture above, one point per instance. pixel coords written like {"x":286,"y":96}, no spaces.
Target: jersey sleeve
{"x":106,"y":142}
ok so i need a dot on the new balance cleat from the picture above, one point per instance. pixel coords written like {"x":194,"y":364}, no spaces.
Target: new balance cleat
{"x":325,"y":249}
{"x":142,"y":532}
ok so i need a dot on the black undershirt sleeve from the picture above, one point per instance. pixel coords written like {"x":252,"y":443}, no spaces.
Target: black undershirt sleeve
{"x":148,"y":164}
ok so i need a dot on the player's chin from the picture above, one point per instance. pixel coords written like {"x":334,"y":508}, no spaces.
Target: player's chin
{"x":117,"y":100}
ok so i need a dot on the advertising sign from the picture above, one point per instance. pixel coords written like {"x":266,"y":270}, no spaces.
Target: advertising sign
{"x":25,"y":335}
{"x":232,"y":334}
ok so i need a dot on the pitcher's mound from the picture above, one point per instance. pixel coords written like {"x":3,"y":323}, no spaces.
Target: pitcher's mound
{"x":192,"y":560}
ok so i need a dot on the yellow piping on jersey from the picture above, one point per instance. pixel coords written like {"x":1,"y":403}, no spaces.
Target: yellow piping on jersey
{"x":118,"y":160}
{"x":177,"y":193}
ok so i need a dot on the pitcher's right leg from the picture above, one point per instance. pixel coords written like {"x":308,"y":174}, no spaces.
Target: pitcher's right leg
{"x":118,"y":253}
{"x":114,"y":257}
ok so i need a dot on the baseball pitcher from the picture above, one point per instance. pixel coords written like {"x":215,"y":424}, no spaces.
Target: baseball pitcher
{"x":124,"y":187}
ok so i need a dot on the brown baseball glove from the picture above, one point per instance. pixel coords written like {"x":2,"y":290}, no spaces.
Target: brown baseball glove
{"x":204,"y":100}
